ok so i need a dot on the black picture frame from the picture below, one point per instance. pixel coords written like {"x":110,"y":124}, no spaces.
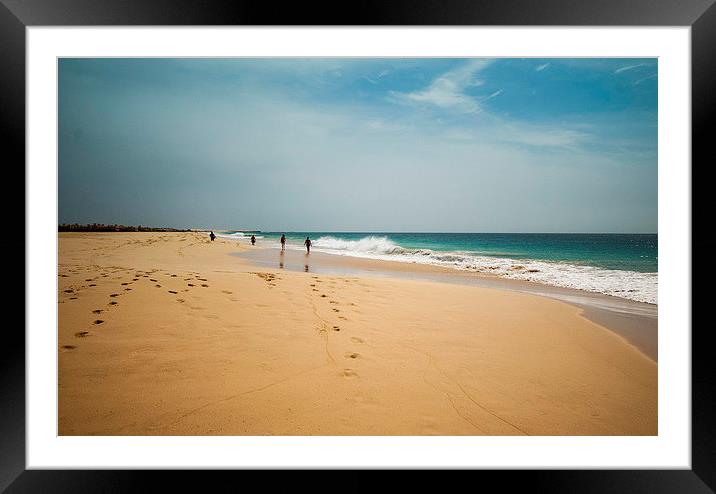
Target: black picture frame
{"x":700,"y":15}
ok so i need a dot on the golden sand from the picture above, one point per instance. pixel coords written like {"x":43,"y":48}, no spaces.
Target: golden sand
{"x":167,"y":334}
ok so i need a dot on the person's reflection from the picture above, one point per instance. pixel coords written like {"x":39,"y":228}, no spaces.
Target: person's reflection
{"x":305,"y":262}
{"x":280,"y":261}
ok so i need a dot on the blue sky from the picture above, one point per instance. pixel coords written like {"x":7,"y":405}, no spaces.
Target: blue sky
{"x":475,"y":145}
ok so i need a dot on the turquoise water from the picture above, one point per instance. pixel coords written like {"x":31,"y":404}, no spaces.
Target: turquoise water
{"x":624,"y":265}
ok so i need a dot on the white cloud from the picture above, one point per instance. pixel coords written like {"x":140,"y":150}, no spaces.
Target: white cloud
{"x":493,"y":95}
{"x":628,"y":67}
{"x":448,"y":90}
{"x":541,"y":136}
{"x":644,"y":79}
{"x":383,"y":126}
{"x":382,"y":74}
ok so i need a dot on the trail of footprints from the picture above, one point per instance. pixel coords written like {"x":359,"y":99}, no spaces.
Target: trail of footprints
{"x":350,"y":355}
{"x":152,"y":276}
{"x":269,"y":278}
{"x":191,"y":280}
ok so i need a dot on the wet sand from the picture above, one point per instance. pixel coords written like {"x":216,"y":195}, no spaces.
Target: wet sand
{"x":636,"y":322}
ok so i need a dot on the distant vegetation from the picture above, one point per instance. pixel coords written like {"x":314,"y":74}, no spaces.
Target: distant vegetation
{"x":101,"y":227}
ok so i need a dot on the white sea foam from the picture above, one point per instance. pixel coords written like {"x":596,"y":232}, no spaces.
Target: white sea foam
{"x":240,"y":236}
{"x":632,"y":285}
{"x":366,"y":245}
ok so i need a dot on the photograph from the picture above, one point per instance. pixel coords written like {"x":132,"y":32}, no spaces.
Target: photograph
{"x":357,"y":246}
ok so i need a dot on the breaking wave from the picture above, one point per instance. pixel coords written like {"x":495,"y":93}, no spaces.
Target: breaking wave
{"x":240,"y":236}
{"x":632,"y":285}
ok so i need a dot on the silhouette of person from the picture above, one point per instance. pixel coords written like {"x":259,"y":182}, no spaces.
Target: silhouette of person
{"x":307,"y":243}
{"x":283,"y":242}
{"x":253,"y":240}
{"x":212,"y":236}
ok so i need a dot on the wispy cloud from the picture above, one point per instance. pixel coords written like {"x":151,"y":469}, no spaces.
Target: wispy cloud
{"x":493,"y":95}
{"x":377,"y":78}
{"x":448,"y":90}
{"x":540,"y":68}
{"x":541,"y":136}
{"x":651,"y":76}
{"x":385,"y":126}
{"x":629,"y":67}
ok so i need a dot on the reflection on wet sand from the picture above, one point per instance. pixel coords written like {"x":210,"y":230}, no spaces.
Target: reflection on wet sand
{"x":282,"y":264}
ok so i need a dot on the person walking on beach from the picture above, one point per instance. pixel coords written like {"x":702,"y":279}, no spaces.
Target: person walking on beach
{"x":253,"y":239}
{"x":307,"y":243}
{"x":212,"y":236}
{"x":283,"y":242}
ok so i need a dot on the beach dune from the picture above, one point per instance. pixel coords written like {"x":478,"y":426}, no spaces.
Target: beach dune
{"x":168,"y":334}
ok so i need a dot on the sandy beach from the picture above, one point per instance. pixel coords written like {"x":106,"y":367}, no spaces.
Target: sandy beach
{"x":171,"y":334}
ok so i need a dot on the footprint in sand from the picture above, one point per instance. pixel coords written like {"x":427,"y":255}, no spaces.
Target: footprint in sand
{"x":227,"y":292}
{"x":113,"y":303}
{"x":189,"y":284}
{"x":355,"y":339}
{"x":135,"y":279}
{"x":180,"y":300}
{"x":97,"y":311}
{"x":336,"y":328}
{"x":205,"y":285}
{"x":173,"y":276}
{"x":336,"y":310}
{"x":349,"y":373}
{"x":351,"y":355}
{"x":82,"y":334}
{"x":88,"y":279}
{"x":114,"y":295}
{"x":68,"y":347}
{"x":127,"y":289}
{"x":69,"y":291}
{"x":172,"y":291}
{"x":158,"y":286}
{"x":92,"y":284}
{"x":323,"y":295}
{"x":152,"y":279}
{"x":98,"y":321}
{"x":125,"y":284}
{"x":73,"y":298}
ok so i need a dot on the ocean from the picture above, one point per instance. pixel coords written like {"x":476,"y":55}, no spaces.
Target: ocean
{"x":622,"y":265}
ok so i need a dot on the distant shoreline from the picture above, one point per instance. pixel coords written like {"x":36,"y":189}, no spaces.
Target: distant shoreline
{"x":101,"y":227}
